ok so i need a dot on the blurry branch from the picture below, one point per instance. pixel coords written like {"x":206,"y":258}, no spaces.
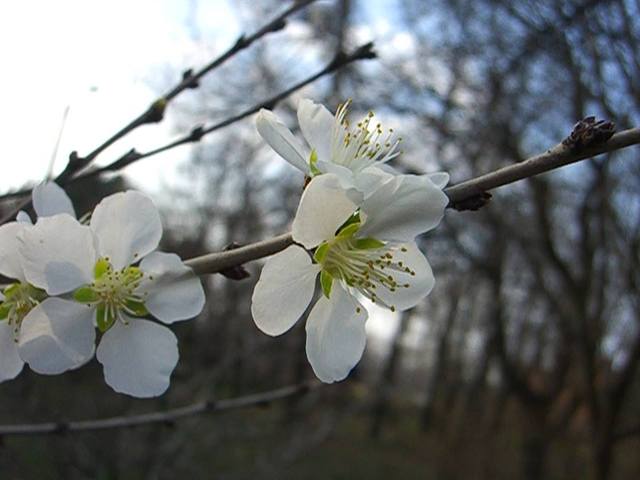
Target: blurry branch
{"x":469,"y":195}
{"x":155,"y":111}
{"x":339,"y":61}
{"x":167,"y":417}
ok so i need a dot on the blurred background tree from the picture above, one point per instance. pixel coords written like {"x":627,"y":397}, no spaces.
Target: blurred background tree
{"x":522,"y":363}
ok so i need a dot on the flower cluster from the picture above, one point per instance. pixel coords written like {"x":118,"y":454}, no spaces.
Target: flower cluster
{"x":355,"y":230}
{"x":72,"y":277}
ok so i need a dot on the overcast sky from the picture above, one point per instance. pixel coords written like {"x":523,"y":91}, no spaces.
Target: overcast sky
{"x":103,"y":60}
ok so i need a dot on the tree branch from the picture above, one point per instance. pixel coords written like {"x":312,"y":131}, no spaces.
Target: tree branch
{"x":459,"y":195}
{"x":342,"y":59}
{"x":339,"y":61}
{"x":165,"y":417}
{"x":155,"y":112}
{"x":556,"y":157}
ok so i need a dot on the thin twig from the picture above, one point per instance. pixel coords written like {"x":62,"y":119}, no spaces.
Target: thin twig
{"x":165,"y":417}
{"x":215,"y":262}
{"x":553,"y":158}
{"x":341,"y":60}
{"x":155,"y":112}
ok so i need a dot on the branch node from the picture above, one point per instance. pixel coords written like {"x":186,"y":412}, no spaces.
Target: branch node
{"x":363,"y":52}
{"x":155,"y":113}
{"x":589,"y":132}
{"x":279,"y":25}
{"x":241,"y":42}
{"x":196,"y":133}
{"x":75,"y":161}
{"x":189,"y":79}
{"x":237,"y":272}
{"x":473,"y":203}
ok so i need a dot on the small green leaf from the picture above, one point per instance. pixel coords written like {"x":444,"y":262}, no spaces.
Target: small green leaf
{"x":321,"y":252}
{"x":138,"y":308}
{"x":85,"y":294}
{"x":313,"y":163}
{"x":326,"y":281}
{"x":102,"y":266}
{"x":104,"y":319}
{"x":368,"y":243}
{"x":5,"y":308}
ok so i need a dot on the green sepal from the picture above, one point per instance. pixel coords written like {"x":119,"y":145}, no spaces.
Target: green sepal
{"x":313,"y":163}
{"x":36,"y":293}
{"x":4,"y":310}
{"x":352,"y":220}
{"x":102,"y":266}
{"x":368,"y":243}
{"x":85,"y":294}
{"x":348,"y":231}
{"x":138,"y":308}
{"x":104,"y":320}
{"x":321,"y":252}
{"x":11,"y":290}
{"x":326,"y":282}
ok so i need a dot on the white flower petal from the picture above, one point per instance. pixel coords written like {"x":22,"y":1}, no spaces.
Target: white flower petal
{"x":57,"y":335}
{"x":371,"y":178}
{"x":323,"y":208}
{"x":49,"y":199}
{"x":439,"y":179}
{"x":10,"y":362}
{"x":138,"y":358}
{"x":23,"y":217}
{"x":175,"y":292}
{"x":284,"y":290}
{"x":420,"y":284}
{"x":128,"y":227}
{"x":316,"y":124}
{"x":58,"y":254}
{"x":10,"y":263}
{"x":335,"y":335}
{"x":280,"y":138}
{"x":402,"y":208}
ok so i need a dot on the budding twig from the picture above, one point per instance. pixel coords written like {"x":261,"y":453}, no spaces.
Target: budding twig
{"x":460,"y":196}
{"x":155,"y":112}
{"x":341,"y":60}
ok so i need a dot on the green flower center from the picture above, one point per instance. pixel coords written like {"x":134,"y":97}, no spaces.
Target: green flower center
{"x":113,"y":292}
{"x":19,"y":300}
{"x":363,"y":264}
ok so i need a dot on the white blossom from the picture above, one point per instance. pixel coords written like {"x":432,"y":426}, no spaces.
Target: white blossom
{"x":20,"y":297}
{"x":97,"y":267}
{"x":357,"y":154}
{"x":361,"y":250}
